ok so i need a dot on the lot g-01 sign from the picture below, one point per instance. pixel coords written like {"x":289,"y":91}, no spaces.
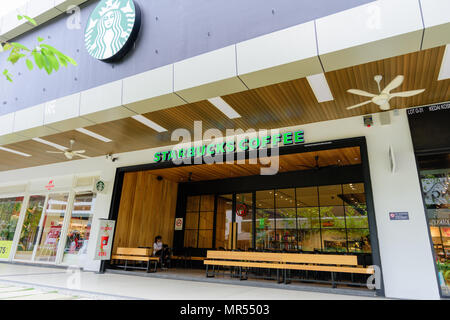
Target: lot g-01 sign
{"x":112,"y":29}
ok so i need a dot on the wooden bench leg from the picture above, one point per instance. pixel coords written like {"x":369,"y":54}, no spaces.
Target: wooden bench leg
{"x":125,"y":268}
{"x":148,"y":266}
{"x":333,"y":283}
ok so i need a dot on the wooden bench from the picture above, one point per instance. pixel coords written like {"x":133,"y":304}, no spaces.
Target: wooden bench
{"x":135,"y":254}
{"x":285,"y":262}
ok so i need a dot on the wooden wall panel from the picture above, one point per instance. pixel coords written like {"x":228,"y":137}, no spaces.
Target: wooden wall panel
{"x":147,"y":209}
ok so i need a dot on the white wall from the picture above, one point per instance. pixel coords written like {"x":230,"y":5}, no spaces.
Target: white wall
{"x":406,"y":255}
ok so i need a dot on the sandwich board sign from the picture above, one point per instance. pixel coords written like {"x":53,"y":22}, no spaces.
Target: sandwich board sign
{"x":104,"y":240}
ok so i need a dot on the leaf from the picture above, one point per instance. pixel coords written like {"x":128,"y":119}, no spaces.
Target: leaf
{"x":7,"y":75}
{"x":40,"y":39}
{"x":38,"y":59}
{"x":14,"y":57}
{"x":29,"y":64}
{"x":19,"y":46}
{"x":31,"y":20}
{"x":7,"y":47}
{"x":19,"y":17}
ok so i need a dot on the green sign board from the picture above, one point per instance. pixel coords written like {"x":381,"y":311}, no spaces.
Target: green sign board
{"x":5,"y":249}
{"x":112,"y":29}
{"x":270,"y":141}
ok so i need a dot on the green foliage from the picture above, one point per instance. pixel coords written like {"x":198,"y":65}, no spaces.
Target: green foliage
{"x":44,"y":56}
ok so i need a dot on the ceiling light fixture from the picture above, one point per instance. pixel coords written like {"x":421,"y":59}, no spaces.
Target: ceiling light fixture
{"x":320,"y":87}
{"x":93,"y":135}
{"x":54,"y":145}
{"x":16,"y":152}
{"x":224,"y":107}
{"x":444,"y":73}
{"x":149,"y":123}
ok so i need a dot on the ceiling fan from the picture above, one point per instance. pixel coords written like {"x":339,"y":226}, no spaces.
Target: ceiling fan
{"x":318,"y":167}
{"x":70,"y":153}
{"x":382,"y":99}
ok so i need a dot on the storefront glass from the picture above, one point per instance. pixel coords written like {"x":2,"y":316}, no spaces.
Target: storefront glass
{"x":435,"y":179}
{"x":244,"y":220}
{"x":265,"y":219}
{"x":311,"y":219}
{"x":79,"y":230}
{"x":30,"y":228}
{"x":223,"y":221}
{"x":51,"y":227}
{"x":9,"y":216}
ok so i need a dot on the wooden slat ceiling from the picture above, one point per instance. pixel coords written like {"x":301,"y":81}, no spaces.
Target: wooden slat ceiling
{"x":291,"y":162}
{"x":280,"y":105}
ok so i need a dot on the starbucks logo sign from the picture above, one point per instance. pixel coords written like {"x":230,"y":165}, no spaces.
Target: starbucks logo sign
{"x":112,"y":29}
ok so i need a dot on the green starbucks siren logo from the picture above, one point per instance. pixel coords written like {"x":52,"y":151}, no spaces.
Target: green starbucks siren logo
{"x":112,"y":29}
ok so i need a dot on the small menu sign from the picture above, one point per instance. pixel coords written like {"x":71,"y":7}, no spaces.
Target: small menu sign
{"x":398,"y":215}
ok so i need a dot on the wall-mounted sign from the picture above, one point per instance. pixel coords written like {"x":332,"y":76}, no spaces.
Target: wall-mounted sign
{"x":112,"y":29}
{"x":50,"y":185}
{"x":5,"y":249}
{"x":398,"y":215}
{"x":429,"y":127}
{"x":210,"y":150}
{"x":178,"y":224}
{"x":104,"y":240}
{"x":100,"y":186}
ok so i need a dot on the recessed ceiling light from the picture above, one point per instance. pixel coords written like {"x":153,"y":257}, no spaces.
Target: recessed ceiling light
{"x":54,"y":145}
{"x":149,"y":123}
{"x":16,"y":152}
{"x":319,"y":86}
{"x":93,"y":135}
{"x":445,"y":66}
{"x":226,"y":109}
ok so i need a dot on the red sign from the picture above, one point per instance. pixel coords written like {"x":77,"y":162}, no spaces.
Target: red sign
{"x":179,"y":224}
{"x":50,"y":185}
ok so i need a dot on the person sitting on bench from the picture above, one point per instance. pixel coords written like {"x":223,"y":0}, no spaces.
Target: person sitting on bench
{"x":159,"y":250}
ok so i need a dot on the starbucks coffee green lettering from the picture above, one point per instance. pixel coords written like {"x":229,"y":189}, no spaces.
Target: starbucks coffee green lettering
{"x":242,"y":145}
{"x":111,"y":29}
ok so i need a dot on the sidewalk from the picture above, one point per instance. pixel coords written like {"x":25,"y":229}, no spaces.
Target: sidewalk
{"x":118,"y":286}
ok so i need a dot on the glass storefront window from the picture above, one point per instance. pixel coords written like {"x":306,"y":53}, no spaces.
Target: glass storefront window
{"x":52,"y":227}
{"x":244,"y":220}
{"x":30,"y":228}
{"x":435,"y":178}
{"x":223,"y":221}
{"x":265,"y":219}
{"x":329,"y":218}
{"x":79,"y":230}
{"x":9,"y":216}
{"x":286,"y":219}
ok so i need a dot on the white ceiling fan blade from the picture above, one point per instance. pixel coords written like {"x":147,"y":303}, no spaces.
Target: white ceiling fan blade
{"x":406,"y":93}
{"x":358,"y":105}
{"x":394,"y":84}
{"x":361,"y":93}
{"x":81,"y":156}
{"x":79,"y":151}
{"x":55,"y":152}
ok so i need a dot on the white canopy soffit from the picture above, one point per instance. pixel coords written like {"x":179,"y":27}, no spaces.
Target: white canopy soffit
{"x":371,"y":32}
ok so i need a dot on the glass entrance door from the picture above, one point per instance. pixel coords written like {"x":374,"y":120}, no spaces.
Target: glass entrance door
{"x":51,"y":227}
{"x":30,"y":228}
{"x":244,"y":221}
